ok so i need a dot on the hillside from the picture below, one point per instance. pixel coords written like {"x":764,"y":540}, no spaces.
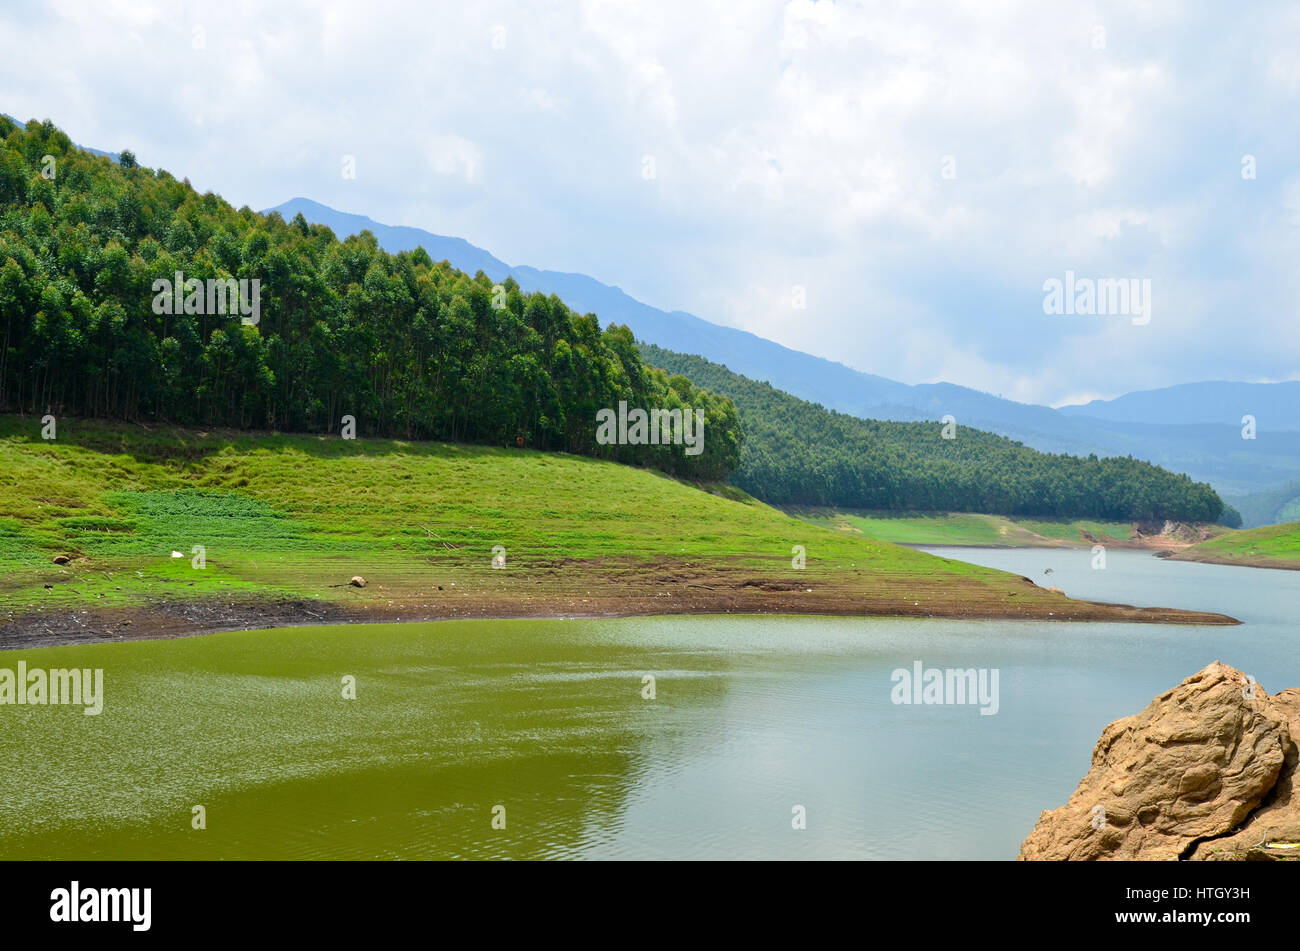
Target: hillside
{"x":285,"y":521}
{"x":1002,"y":531}
{"x":1205,"y":443}
{"x":118,"y":294}
{"x":125,"y":294}
{"x":1269,"y":508}
{"x":962,"y":528}
{"x":826,"y":381}
{"x":798,"y":453}
{"x":1273,"y":546}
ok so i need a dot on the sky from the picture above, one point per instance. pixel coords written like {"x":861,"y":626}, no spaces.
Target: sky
{"x":890,"y":185}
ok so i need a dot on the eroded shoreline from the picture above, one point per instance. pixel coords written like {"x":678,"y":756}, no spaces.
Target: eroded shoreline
{"x":1203,"y":558}
{"x":170,"y":619}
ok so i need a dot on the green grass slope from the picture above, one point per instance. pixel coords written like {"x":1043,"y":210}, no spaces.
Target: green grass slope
{"x":1273,"y":546}
{"x":967,"y":528}
{"x":294,"y":517}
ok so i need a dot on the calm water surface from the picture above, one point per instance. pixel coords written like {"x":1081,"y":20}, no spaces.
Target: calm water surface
{"x":751,"y":717}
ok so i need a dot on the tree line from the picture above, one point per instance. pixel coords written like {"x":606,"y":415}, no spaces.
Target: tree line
{"x":799,"y":453}
{"x":409,"y":347}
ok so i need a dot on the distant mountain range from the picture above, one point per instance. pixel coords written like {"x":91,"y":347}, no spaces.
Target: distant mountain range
{"x":1273,"y":405}
{"x":1193,"y":428}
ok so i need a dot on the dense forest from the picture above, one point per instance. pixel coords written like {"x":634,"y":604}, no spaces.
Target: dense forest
{"x":798,"y":453}
{"x":408,"y":347}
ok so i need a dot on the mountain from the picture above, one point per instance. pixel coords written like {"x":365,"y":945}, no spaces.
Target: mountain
{"x":331,"y":337}
{"x":1274,"y":405}
{"x":1205,"y":446}
{"x":457,"y":251}
{"x":834,"y":385}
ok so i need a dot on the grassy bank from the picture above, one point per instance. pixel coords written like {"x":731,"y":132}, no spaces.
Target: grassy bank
{"x":1273,"y":546}
{"x":959,"y":528}
{"x":285,"y":521}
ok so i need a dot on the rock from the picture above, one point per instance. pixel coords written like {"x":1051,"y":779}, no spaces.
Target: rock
{"x":1272,"y":831}
{"x":357,"y":581}
{"x":1055,"y":590}
{"x":61,"y":559}
{"x":1184,"y":778}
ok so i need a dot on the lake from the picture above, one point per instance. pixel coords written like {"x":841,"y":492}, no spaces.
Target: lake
{"x":547,"y":726}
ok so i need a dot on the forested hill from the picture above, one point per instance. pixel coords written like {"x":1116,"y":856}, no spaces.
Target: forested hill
{"x":408,"y":347}
{"x":798,"y":453}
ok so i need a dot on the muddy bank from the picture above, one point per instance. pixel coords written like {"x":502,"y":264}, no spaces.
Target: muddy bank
{"x":1162,"y":538}
{"x":1243,"y":561}
{"x":182,"y":618}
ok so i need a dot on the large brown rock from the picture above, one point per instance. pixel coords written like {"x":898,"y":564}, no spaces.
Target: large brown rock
{"x":1273,"y":830}
{"x":1184,"y":778}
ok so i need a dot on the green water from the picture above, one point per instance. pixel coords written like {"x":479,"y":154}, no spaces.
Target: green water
{"x":752,"y":717}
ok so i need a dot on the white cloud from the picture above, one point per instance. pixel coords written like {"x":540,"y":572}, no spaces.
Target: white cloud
{"x":794,"y":142}
{"x":450,"y":154}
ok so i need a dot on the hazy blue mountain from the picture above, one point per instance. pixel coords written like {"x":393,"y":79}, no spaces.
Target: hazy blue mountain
{"x":1205,"y":443}
{"x":1274,"y":405}
{"x":813,"y":378}
{"x":462,"y":255}
{"x":831,"y":384}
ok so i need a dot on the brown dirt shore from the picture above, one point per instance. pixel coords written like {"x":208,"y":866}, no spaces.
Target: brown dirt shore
{"x":179,"y":618}
{"x":1249,"y":562}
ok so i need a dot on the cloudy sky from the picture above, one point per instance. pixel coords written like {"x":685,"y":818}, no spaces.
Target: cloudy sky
{"x":919,"y":170}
